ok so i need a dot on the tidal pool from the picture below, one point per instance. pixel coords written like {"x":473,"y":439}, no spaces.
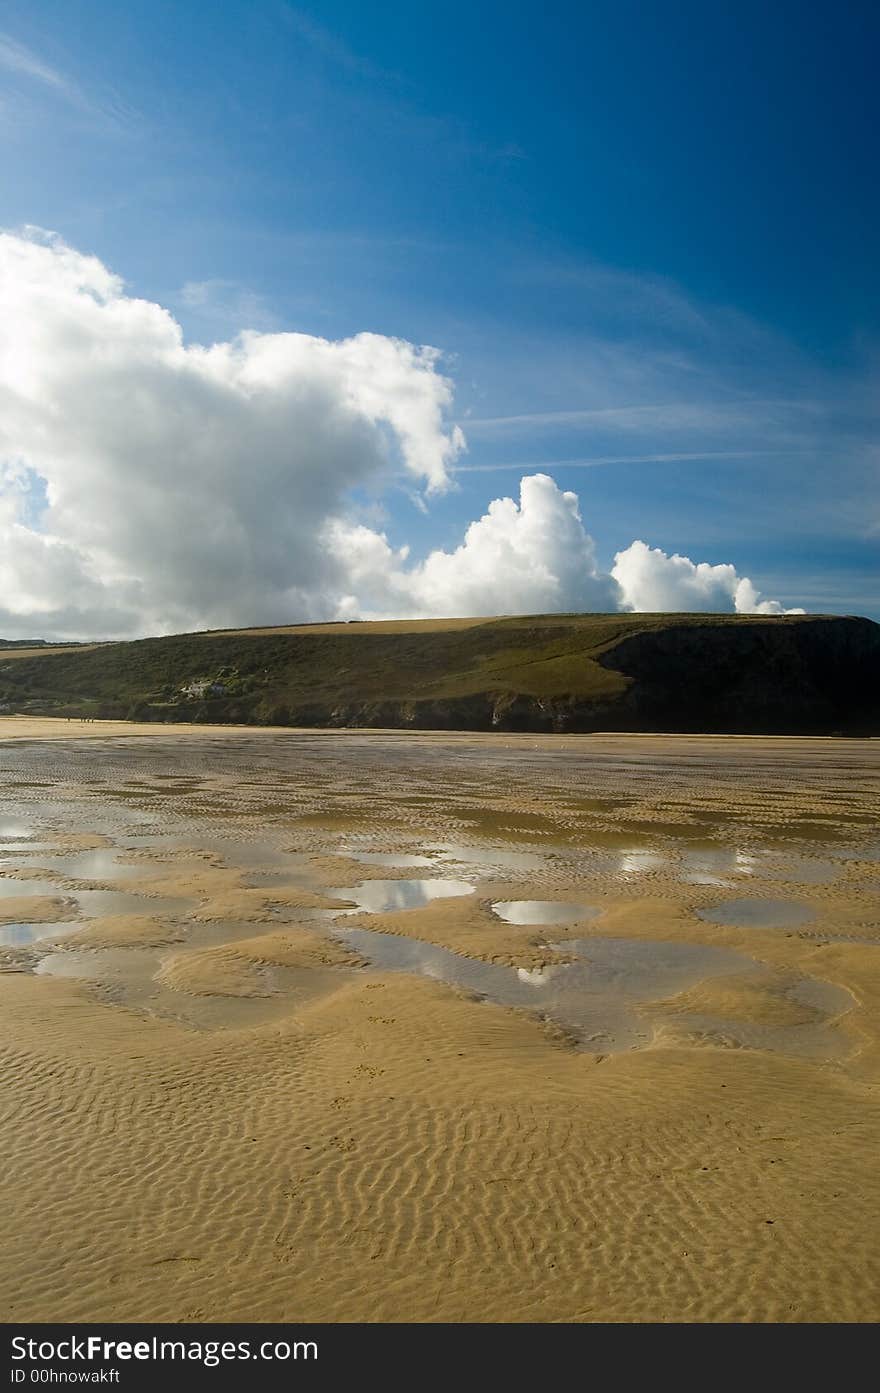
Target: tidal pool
{"x":20,"y":935}
{"x":603,"y":996}
{"x":394,"y":860}
{"x":101,"y":863}
{"x":542,"y":911}
{"x":758,"y":913}
{"x":711,"y":865}
{"x":382,"y":896}
{"x":127,"y":977}
{"x":89,"y":904}
{"x":492,"y":857}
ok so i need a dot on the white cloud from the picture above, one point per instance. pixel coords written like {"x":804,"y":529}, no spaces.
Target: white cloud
{"x":225,"y":304}
{"x":189,"y":486}
{"x":190,"y":483}
{"x":653,"y":581}
{"x":526,"y":558}
{"x":18,"y":59}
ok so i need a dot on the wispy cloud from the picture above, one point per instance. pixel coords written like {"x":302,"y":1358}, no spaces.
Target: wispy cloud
{"x":395,"y":94}
{"x":329,"y":46}
{"x":228,"y":304}
{"x":645,"y":416}
{"x":14,"y":57}
{"x":23,"y":62}
{"x":593,"y":462}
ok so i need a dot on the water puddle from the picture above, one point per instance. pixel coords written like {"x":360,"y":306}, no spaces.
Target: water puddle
{"x":402,"y":861}
{"x":639,"y":862}
{"x":597,"y":996}
{"x":93,"y":903}
{"x":813,"y":1039}
{"x":492,"y":857}
{"x":98,"y":864}
{"x":21,"y":935}
{"x":84,"y":904}
{"x":10,"y":849}
{"x":604,"y":996}
{"x":127,"y":977}
{"x":758,"y":913}
{"x":13,"y":887}
{"x":803,"y":870}
{"x":256,"y":853}
{"x":711,"y":865}
{"x":542,"y":912}
{"x":383,"y":896}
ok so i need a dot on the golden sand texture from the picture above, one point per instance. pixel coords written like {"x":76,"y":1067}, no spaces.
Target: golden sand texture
{"x":59,"y":728}
{"x":124,"y":931}
{"x":33,"y":909}
{"x":390,"y":1149}
{"x":403,"y":1155}
{"x":233,"y":969}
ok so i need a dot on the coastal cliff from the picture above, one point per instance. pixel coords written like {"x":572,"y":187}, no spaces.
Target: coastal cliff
{"x":737,"y":674}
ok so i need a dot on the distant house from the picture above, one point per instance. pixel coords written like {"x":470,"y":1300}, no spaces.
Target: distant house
{"x":202,"y":688}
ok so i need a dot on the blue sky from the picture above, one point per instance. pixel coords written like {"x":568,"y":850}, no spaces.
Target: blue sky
{"x":644,"y":234}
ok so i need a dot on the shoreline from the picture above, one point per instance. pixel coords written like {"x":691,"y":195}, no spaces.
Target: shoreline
{"x":23,"y":727}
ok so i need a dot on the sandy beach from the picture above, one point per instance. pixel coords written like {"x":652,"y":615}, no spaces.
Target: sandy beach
{"x":320,"y":1025}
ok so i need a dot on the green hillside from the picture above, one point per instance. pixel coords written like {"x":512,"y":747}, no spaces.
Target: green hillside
{"x":550,"y":672}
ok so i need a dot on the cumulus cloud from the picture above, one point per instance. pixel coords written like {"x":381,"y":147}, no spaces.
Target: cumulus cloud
{"x":651,"y":580}
{"x":530,"y":557}
{"x":190,"y":482}
{"x":150,"y":485}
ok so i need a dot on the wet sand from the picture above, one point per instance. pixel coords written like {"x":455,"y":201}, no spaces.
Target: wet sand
{"x":275,"y":1046}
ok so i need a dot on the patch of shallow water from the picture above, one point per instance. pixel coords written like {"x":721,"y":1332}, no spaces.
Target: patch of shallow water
{"x":491,"y":857}
{"x":803,"y":870}
{"x":243,"y":854}
{"x":92,"y":903}
{"x":758,"y":913}
{"x":707,"y":865}
{"x":604,"y":996}
{"x":11,"y":887}
{"x":10,"y":848}
{"x":596,"y":996}
{"x":99,"y":864}
{"x":15,"y":831}
{"x":869,"y":853}
{"x":824,"y":997}
{"x":809,"y":830}
{"x":84,"y":904}
{"x":542,"y":912}
{"x":21,"y":935}
{"x":394,"y":860}
{"x":383,"y":896}
{"x":126,"y":977}
{"x":639,"y":862}
{"x":814,"y":1039}
{"x":711,"y":865}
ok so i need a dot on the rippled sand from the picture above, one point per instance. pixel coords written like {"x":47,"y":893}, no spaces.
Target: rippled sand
{"x":252,"y":1068}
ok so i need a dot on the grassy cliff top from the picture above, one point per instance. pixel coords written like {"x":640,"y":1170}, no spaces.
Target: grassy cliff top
{"x":327,"y":673}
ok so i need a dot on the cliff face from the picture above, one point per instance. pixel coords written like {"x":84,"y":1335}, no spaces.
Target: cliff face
{"x":812,"y":677}
{"x":742,"y":675}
